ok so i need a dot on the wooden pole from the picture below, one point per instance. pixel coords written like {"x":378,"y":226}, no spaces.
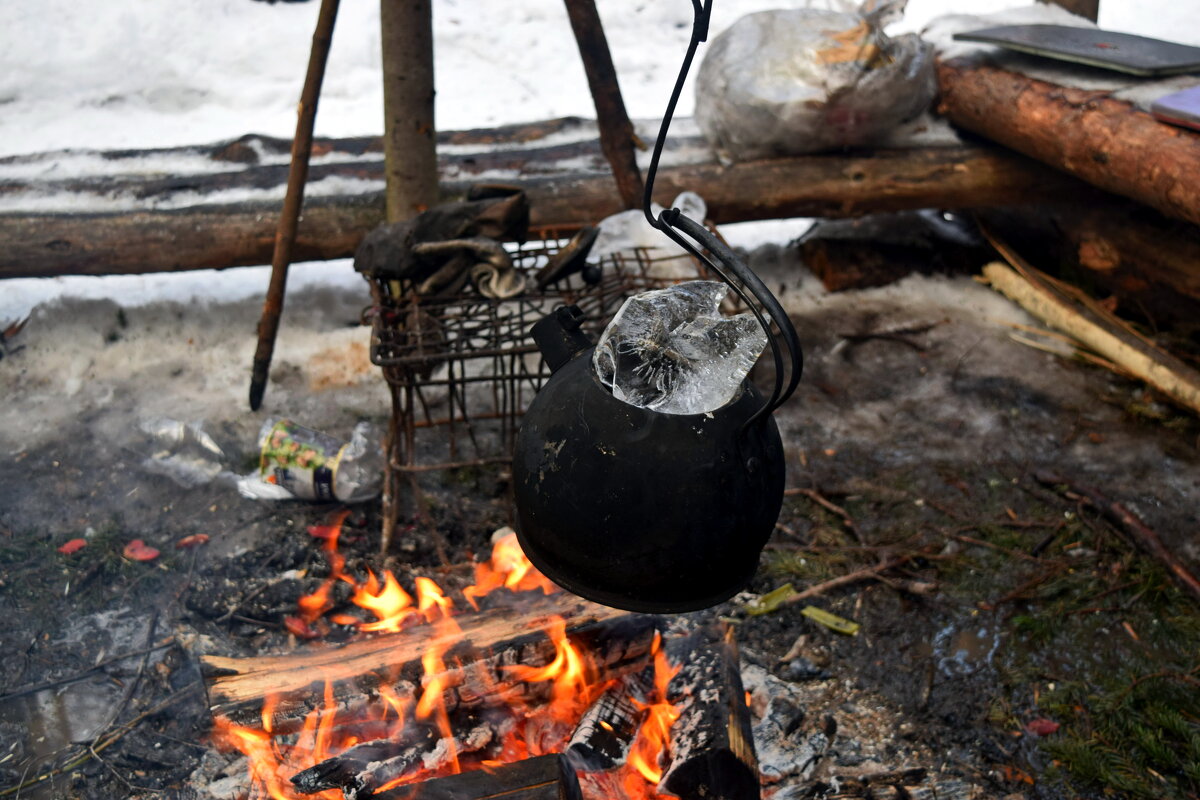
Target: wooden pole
{"x":285,"y":233}
{"x":616,"y":131}
{"x":409,"y":138}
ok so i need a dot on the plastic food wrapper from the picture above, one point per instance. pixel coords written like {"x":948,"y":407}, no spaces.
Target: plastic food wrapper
{"x":794,"y":81}
{"x":299,"y":462}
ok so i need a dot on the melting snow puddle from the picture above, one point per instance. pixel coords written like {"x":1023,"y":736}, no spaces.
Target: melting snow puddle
{"x":964,"y":652}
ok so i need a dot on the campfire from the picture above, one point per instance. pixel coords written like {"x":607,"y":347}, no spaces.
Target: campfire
{"x":517,"y":686}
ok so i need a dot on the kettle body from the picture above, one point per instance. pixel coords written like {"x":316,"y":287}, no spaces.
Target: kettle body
{"x":638,"y":509}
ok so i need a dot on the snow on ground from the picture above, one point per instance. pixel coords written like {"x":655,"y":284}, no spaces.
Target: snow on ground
{"x":144,"y":73}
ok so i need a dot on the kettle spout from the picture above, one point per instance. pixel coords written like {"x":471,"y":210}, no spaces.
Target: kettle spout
{"x":559,"y":336}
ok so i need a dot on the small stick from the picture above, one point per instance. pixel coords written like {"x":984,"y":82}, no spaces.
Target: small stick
{"x":285,"y":233}
{"x":1141,"y":534}
{"x":819,"y":499}
{"x":844,"y":580}
{"x":79,"y":676}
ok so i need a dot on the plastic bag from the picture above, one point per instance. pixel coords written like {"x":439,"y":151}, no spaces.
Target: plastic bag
{"x":299,"y":462}
{"x":794,"y":81}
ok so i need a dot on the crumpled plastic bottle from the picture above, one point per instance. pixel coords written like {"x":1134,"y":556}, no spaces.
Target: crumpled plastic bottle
{"x":302,"y":463}
{"x":183,"y":452}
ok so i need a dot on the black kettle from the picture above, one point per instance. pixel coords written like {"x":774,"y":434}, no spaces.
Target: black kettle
{"x":640,"y":509}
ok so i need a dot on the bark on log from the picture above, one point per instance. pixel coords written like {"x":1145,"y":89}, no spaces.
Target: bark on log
{"x":406,"y":35}
{"x":1149,"y":261}
{"x":203,"y":237}
{"x":712,"y":745}
{"x":1104,"y":141}
{"x":488,"y":641}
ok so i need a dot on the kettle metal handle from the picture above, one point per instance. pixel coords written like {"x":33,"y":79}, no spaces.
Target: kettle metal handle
{"x":717,"y":255}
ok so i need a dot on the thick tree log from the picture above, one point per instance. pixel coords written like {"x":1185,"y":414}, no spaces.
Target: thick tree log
{"x":406,"y":34}
{"x":489,"y":641}
{"x":454,"y":166}
{"x":1104,"y":141}
{"x":242,"y":234}
{"x":712,"y":745}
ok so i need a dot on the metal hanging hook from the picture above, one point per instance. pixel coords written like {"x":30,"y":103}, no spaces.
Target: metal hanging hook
{"x":717,"y":255}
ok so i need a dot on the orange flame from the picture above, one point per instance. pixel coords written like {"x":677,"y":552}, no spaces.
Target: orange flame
{"x":509,"y":568}
{"x":572,"y":675}
{"x":654,"y":737}
{"x":570,"y":672}
{"x":312,"y":606}
{"x":390,"y":604}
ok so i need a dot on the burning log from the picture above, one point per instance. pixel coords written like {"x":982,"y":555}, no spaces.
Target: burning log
{"x":712,"y":745}
{"x":1105,"y":141}
{"x":477,"y":650}
{"x":607,"y":729}
{"x":362,"y":770}
{"x":531,"y":779}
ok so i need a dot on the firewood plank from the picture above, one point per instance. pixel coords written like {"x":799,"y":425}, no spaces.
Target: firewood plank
{"x":493,"y":637}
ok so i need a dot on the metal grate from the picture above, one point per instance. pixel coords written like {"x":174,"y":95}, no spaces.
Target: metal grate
{"x":462,"y":370}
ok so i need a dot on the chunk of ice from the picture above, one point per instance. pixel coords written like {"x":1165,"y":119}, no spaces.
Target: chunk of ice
{"x":671,"y":350}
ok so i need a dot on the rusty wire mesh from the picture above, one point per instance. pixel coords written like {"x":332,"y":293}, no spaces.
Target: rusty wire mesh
{"x":462,"y":370}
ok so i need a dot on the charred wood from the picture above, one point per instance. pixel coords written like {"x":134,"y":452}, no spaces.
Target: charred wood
{"x":531,"y":779}
{"x":712,"y":745}
{"x":488,"y":642}
{"x":607,"y":729}
{"x":1105,"y":141}
{"x":365,"y":768}
{"x":240,"y":234}
{"x":881,"y":248}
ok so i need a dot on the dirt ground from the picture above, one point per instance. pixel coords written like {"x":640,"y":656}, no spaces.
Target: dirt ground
{"x":1021,"y":646}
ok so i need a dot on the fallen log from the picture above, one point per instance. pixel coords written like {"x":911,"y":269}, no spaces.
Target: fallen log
{"x":879,"y":249}
{"x":1102,"y":140}
{"x":1151,"y":262}
{"x":489,"y":641}
{"x":241,"y":234}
